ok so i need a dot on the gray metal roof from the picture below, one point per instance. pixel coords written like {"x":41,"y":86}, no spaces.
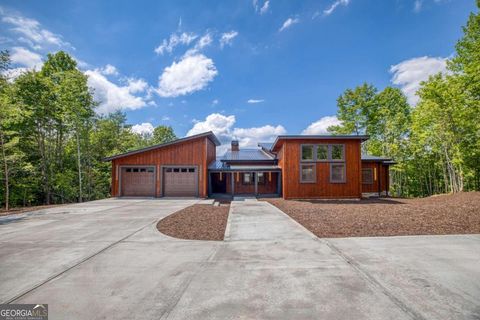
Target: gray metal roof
{"x":218,"y":165}
{"x":208,"y":134}
{"x":368,"y":157}
{"x":247,"y":155}
{"x":266,"y":145}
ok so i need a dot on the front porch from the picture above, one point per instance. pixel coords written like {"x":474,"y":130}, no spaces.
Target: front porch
{"x":244,"y":183}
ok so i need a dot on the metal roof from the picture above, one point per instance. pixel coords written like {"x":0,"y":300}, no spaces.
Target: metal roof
{"x":247,"y":155}
{"x":318,"y":137}
{"x":208,"y":134}
{"x":265,"y":145}
{"x":218,"y":165}
{"x":368,"y":157}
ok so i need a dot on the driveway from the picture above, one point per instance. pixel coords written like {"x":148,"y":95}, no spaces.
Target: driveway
{"x":106,"y":260}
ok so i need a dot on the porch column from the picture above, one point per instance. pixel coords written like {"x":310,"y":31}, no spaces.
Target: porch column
{"x":279,"y":183}
{"x":232,"y":176}
{"x":255,"y":179}
{"x":209,"y":191}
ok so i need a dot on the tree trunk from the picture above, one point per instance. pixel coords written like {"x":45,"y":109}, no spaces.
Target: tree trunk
{"x":5,"y":166}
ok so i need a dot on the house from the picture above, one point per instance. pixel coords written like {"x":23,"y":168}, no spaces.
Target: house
{"x":293,"y":166}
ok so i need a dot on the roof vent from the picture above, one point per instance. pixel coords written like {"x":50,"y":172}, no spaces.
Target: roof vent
{"x":235,"y":146}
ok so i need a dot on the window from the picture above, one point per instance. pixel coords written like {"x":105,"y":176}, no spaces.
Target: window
{"x":150,"y":170}
{"x":135,"y":170}
{"x":367,"y":176}
{"x":191,"y":169}
{"x":129,"y":170}
{"x":247,"y":178}
{"x":307,"y":152}
{"x":337,"y":152}
{"x":176,"y":170}
{"x":184,"y":169}
{"x":322,"y":152}
{"x":307,"y":173}
{"x":337,"y":172}
{"x":261,"y":178}
{"x":143,"y":170}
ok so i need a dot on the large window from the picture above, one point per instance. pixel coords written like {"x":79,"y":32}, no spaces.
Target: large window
{"x":307,"y":153}
{"x":307,"y":173}
{"x":367,"y":176}
{"x":337,"y":172}
{"x":247,"y":178}
{"x":260,"y":178}
{"x":336,"y":152}
{"x":322,"y":152}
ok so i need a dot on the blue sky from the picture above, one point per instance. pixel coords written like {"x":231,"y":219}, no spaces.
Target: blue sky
{"x":246,"y":69}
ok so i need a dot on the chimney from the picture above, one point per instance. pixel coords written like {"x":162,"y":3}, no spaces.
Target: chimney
{"x":235,"y":146}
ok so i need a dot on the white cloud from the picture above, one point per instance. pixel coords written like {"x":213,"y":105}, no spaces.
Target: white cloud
{"x":334,"y":6}
{"x":288,"y":23}
{"x":144,"y":129}
{"x":26,"y":58}
{"x":32,"y":32}
{"x":409,"y":73}
{"x":218,"y":123}
{"x":261,"y":9}
{"x":166,"y":118}
{"x":227,"y":38}
{"x":265,"y":7}
{"x":190,"y":74}
{"x":109,"y":70}
{"x":250,"y":137}
{"x":223,"y":127}
{"x":203,"y":42}
{"x":321,"y":126}
{"x":215,"y":102}
{"x":136,"y":85}
{"x":111,"y":96}
{"x":255,"y":100}
{"x":417,"y":6}
{"x":175,"y":40}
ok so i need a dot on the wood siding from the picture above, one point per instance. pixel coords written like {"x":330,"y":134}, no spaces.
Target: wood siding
{"x":289,"y":161}
{"x":198,"y":152}
{"x":380,"y":177}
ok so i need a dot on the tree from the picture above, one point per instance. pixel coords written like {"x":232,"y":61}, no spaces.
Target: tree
{"x":356,"y":110}
{"x":163,"y":134}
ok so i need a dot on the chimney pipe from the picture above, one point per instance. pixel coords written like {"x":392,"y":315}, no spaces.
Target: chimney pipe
{"x":235,"y":146}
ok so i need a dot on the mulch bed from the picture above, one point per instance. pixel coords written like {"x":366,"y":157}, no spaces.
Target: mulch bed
{"x":442,"y":214}
{"x":197,"y":222}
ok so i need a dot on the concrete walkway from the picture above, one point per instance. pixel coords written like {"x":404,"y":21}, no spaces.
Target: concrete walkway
{"x":106,"y":260}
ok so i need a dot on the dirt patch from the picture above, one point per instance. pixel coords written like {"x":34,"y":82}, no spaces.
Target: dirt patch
{"x":197,"y":222}
{"x":27,"y":209}
{"x":443,"y":214}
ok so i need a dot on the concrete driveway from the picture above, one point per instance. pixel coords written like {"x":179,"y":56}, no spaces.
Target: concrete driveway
{"x":106,"y":260}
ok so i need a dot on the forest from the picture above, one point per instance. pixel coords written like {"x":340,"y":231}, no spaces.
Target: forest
{"x":436,"y":143}
{"x":52,"y":142}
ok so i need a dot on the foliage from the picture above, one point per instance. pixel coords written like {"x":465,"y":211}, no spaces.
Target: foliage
{"x":51,"y":141}
{"x":435,"y":143}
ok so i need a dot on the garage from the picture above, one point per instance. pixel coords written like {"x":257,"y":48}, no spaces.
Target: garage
{"x":138,"y":181}
{"x":180,"y":181}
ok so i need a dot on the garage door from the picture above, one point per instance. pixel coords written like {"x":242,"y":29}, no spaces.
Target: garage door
{"x":138,"y":182}
{"x":180,"y":182}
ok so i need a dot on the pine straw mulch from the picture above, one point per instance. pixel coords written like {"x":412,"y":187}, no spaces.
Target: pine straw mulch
{"x":441,"y":214}
{"x":197,"y":222}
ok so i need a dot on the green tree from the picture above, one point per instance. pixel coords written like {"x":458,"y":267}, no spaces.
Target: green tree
{"x":163,"y":134}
